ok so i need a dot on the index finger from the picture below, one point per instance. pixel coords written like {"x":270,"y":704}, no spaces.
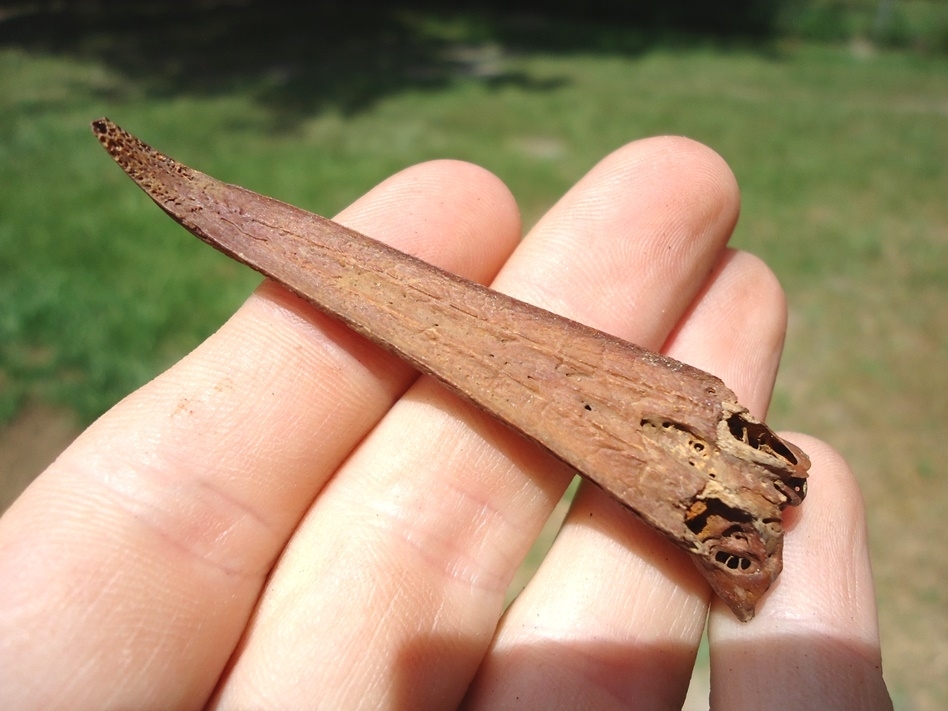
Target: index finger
{"x":130,"y":567}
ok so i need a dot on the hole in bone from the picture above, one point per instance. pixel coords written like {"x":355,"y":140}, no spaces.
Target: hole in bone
{"x":759,"y":437}
{"x":731,"y":561}
{"x":794,"y":488}
{"x":701,"y":511}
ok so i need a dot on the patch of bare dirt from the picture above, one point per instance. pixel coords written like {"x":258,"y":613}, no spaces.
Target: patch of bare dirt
{"x":29,"y":444}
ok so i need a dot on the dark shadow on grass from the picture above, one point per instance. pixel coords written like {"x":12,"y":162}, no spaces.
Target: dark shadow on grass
{"x":297,"y":59}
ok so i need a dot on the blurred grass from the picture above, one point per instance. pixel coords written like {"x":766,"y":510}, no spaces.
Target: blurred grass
{"x":841,"y":156}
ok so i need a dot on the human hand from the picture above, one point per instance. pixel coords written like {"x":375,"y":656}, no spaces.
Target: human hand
{"x":285,"y":519}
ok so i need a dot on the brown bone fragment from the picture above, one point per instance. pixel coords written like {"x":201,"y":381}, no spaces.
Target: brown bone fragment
{"x":668,"y":441}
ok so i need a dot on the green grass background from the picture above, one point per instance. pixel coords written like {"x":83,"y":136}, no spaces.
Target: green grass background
{"x":841,"y":152}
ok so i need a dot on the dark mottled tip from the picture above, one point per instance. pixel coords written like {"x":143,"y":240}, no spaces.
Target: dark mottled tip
{"x":112,"y":137}
{"x":155,"y":173}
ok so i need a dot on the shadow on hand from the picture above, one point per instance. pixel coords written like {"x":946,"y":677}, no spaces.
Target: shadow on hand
{"x":792,"y":672}
{"x":551,"y":674}
{"x":808,"y":671}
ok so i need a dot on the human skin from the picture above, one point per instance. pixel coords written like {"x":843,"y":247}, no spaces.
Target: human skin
{"x":290,"y":518}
